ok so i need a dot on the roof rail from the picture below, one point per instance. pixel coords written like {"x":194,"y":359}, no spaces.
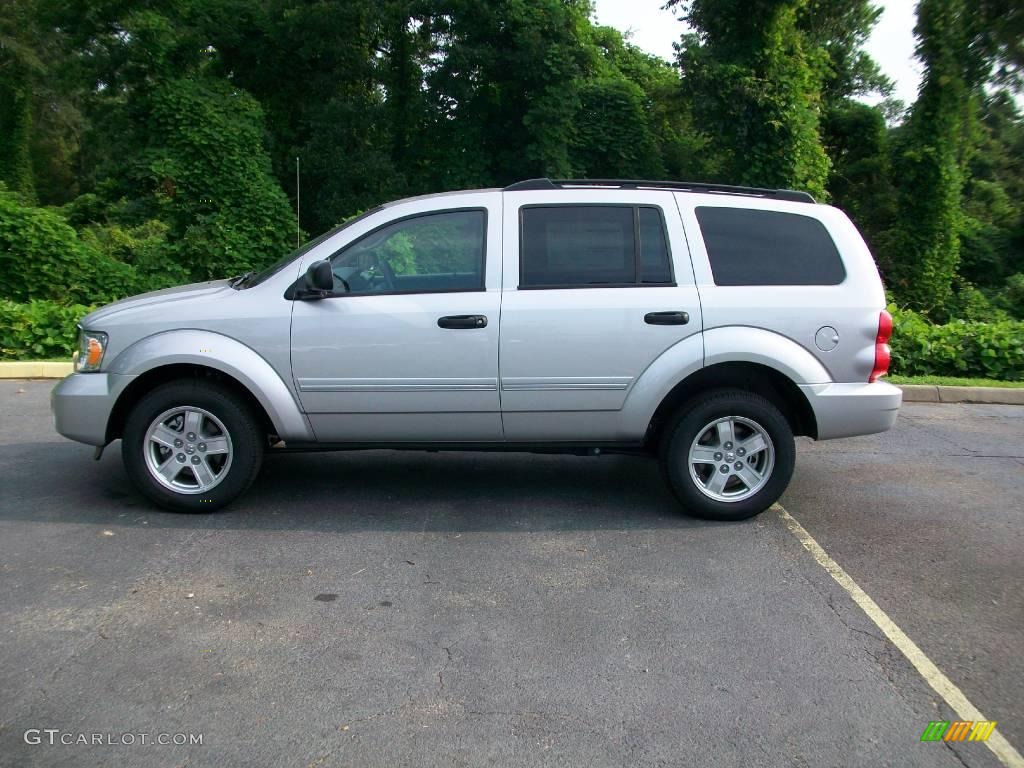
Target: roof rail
{"x":682,"y":186}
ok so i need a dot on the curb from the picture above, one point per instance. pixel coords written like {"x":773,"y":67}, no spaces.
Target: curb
{"x":35,"y":370}
{"x":930,"y":393}
{"x":912,"y":393}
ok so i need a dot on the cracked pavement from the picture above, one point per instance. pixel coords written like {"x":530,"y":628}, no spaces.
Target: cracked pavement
{"x":414,"y":609}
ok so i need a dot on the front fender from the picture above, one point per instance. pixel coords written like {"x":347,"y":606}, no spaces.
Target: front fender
{"x":224,"y":354}
{"x":731,"y":344}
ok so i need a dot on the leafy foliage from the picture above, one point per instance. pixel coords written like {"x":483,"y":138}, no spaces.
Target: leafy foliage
{"x":42,"y":257}
{"x":613,"y":139}
{"x":757,"y":86}
{"x":38,"y":329}
{"x":923,"y":251}
{"x":987,"y":350}
{"x":204,"y":172}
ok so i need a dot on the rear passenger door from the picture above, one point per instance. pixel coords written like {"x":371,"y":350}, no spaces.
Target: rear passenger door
{"x":594,"y":289}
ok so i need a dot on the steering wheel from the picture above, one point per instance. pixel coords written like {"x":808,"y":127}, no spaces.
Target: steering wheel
{"x":387,"y":271}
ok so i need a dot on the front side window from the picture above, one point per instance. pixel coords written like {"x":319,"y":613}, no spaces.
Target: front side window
{"x":753,"y":247}
{"x":431,"y":253}
{"x":571,"y":246}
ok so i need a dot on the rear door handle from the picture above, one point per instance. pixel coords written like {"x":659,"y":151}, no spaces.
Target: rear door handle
{"x":462,"y":321}
{"x":667,"y":318}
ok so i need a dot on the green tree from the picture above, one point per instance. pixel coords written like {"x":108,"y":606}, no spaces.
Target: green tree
{"x":839,"y":30}
{"x":20,"y":66}
{"x":174,"y":141}
{"x":680,"y":151}
{"x":857,"y":142}
{"x":613,"y":138}
{"x":921,"y":254}
{"x":756,"y":85}
{"x":504,"y":91}
{"x":204,"y":171}
{"x":992,"y":241}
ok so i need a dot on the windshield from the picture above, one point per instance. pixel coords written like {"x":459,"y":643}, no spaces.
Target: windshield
{"x":284,"y":261}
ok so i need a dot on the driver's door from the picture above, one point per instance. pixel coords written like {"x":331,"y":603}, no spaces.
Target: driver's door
{"x":407,"y":348}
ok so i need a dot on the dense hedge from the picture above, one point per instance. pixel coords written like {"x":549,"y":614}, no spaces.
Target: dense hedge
{"x":984,"y":350}
{"x":42,"y":257}
{"x":38,"y":329}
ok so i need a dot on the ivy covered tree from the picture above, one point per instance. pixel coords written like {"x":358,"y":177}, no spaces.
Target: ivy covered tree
{"x":19,"y":67}
{"x":921,"y":254}
{"x":172,"y":141}
{"x":504,"y":89}
{"x":205,"y":172}
{"x":613,"y":138}
{"x":756,"y":85}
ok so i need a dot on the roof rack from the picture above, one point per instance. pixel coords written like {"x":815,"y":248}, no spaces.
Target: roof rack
{"x":682,"y":186}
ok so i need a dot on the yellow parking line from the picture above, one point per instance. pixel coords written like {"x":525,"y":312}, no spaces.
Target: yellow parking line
{"x":952,"y":695}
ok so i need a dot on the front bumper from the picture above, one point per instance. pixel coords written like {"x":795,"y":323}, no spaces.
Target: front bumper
{"x":845,"y":410}
{"x":82,"y":403}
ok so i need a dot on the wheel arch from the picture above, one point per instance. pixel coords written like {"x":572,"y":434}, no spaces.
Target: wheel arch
{"x":757,"y":378}
{"x":164,"y":374}
{"x":190,"y":353}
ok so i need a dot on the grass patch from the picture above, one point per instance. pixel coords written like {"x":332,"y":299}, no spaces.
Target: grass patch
{"x":954,"y":381}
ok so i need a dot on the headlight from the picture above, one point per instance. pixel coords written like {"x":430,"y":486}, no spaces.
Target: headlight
{"x":91,"y":346}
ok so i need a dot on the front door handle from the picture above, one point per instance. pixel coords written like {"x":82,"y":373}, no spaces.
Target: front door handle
{"x":667,"y":318}
{"x":462,"y":321}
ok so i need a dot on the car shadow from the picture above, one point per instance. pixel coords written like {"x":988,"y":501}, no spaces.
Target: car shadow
{"x":360,"y":490}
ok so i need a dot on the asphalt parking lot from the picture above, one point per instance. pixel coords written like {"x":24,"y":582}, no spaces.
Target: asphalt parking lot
{"x":395,"y":609}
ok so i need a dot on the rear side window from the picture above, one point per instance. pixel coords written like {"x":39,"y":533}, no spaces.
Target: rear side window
{"x":572,"y":246}
{"x":753,"y":247}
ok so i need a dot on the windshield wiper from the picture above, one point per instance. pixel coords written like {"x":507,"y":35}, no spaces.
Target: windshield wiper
{"x":236,"y":282}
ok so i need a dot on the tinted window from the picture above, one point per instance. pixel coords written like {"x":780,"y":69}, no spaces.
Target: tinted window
{"x":752,"y":247}
{"x":588,"y":245}
{"x":654,"y":261}
{"x":423,"y":254}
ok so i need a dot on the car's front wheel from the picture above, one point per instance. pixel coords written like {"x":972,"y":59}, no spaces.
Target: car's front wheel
{"x":728,"y":455}
{"x":192,"y":446}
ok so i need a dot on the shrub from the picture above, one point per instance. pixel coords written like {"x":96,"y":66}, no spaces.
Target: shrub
{"x":1011,"y":298}
{"x":42,"y":257}
{"x":38,"y":329}
{"x":206,"y":173}
{"x":144,"y":247}
{"x":975,"y":349}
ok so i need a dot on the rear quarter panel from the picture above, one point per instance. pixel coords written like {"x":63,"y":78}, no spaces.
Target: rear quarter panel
{"x":796,"y":312}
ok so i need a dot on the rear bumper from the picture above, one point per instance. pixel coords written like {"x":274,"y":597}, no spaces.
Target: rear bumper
{"x":82,"y":402}
{"x":845,"y":410}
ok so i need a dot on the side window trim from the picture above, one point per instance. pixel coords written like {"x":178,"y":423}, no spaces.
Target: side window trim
{"x":636,"y":248}
{"x":482,"y":288}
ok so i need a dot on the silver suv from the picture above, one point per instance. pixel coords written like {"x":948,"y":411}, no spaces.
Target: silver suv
{"x":705,"y":325}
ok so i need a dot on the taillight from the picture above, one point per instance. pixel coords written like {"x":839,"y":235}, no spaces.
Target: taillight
{"x":882,"y":353}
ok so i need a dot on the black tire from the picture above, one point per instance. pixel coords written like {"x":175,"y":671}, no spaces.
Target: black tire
{"x":690,"y":421}
{"x":241,"y":425}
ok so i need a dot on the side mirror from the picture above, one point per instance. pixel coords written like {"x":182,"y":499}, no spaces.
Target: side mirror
{"x":319,"y":276}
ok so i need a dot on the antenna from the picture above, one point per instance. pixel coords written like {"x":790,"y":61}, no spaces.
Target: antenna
{"x":297,"y":229}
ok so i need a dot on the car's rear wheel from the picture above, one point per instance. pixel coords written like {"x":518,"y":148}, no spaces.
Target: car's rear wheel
{"x":728,"y":455}
{"x":192,"y":446}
